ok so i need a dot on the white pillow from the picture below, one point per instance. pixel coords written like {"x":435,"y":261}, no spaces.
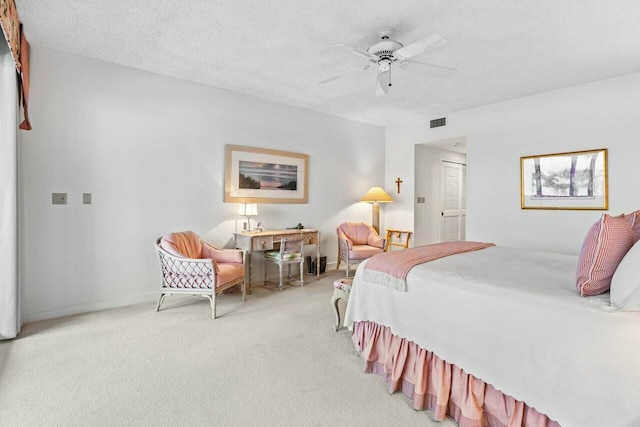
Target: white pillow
{"x":625,"y":284}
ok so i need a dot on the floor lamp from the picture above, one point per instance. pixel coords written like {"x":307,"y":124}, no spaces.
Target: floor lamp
{"x":376,"y":195}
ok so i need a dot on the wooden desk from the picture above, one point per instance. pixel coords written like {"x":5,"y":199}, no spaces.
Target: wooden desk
{"x":267,"y":240}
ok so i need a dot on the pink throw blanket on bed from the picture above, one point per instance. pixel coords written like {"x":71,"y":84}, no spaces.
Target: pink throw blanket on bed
{"x":391,"y":268}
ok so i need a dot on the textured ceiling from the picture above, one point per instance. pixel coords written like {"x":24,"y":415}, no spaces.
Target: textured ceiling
{"x":280,"y":49}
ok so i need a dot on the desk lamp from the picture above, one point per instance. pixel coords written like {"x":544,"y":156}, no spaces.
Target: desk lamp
{"x":248,"y":210}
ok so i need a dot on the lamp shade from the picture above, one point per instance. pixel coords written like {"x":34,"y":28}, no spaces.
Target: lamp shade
{"x":376,"y":194}
{"x":248,"y":209}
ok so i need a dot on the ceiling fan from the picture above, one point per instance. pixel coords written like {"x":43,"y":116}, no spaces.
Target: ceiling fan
{"x":387,"y":52}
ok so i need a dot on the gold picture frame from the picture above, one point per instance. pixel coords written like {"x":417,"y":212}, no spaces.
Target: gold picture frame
{"x":572,"y":180}
{"x":259,"y":175}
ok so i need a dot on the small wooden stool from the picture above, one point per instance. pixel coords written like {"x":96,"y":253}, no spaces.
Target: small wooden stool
{"x":341,"y":290}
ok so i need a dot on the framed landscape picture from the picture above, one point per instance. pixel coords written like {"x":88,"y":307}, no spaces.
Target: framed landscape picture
{"x":575,"y":180}
{"x":258,"y":175}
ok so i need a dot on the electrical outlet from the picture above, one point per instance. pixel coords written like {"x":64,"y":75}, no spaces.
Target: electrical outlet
{"x":420,"y":200}
{"x":59,"y":198}
{"x":86,"y":198}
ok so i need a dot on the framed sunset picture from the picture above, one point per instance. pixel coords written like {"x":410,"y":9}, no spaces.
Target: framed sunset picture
{"x":259,"y":175}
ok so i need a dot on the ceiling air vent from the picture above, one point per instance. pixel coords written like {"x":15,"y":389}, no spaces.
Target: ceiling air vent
{"x":436,"y":123}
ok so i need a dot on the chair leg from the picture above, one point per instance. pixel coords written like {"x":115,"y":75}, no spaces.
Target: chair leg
{"x":160,"y":300}
{"x":244,"y":290}
{"x":347,"y":262}
{"x":213,"y":304}
{"x":334,"y":304}
{"x":302,"y":272}
{"x":265,"y":264}
{"x":281,"y":286}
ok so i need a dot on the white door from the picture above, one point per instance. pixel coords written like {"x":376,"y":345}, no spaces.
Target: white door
{"x":453,"y":201}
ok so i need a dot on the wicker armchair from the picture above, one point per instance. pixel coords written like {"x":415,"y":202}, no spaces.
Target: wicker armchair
{"x":193,"y":267}
{"x":357,"y":241}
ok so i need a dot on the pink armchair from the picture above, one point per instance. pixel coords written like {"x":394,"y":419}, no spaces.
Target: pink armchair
{"x":357,"y":241}
{"x":191,"y":266}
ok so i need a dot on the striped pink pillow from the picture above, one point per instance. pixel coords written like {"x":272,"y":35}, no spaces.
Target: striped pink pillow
{"x":634,"y":222}
{"x":606,"y":243}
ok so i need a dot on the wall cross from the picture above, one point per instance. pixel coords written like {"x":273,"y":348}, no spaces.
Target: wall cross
{"x":398,"y":181}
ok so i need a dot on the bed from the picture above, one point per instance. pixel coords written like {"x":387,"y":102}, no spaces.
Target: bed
{"x":503,"y":338}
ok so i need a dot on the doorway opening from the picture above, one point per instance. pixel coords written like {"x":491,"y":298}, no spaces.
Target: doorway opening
{"x":439,"y":215}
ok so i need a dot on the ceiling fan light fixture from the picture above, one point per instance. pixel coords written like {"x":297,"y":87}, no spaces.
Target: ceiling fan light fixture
{"x":384,"y":65}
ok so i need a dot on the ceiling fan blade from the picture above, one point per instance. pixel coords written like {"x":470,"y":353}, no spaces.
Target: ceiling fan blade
{"x":382,"y":83}
{"x":419,"y":46}
{"x":356,"y":51}
{"x":344,"y":73}
{"x":434,"y":70}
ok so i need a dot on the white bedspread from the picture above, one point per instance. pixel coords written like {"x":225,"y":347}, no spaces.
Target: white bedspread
{"x":514,"y":319}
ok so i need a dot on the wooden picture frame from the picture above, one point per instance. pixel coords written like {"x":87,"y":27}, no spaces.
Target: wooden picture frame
{"x":573,"y":180}
{"x":259,"y":175}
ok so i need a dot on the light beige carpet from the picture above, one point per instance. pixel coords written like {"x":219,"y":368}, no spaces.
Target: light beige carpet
{"x":273,"y":361}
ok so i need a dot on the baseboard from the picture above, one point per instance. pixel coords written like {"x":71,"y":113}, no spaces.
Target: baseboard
{"x":114,"y":303}
{"x":87,"y":308}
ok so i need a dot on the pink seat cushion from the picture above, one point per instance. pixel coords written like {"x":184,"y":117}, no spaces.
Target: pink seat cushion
{"x":606,"y":243}
{"x":228,"y":273}
{"x":360,"y":252}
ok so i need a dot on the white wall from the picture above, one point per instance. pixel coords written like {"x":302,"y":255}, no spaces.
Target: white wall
{"x":602,"y":114}
{"x":151,"y":151}
{"x":428,"y":184}
{"x":399,"y":163}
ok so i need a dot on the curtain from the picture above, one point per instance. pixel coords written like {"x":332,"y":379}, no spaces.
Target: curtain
{"x":10,"y":292}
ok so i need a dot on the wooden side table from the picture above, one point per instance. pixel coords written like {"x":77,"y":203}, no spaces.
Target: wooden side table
{"x":341,"y":291}
{"x":399,"y":238}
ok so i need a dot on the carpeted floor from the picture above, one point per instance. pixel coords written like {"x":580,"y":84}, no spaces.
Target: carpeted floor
{"x":273,"y":361}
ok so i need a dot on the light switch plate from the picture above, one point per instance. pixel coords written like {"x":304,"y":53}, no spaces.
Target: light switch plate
{"x":86,"y":198}
{"x":59,"y":198}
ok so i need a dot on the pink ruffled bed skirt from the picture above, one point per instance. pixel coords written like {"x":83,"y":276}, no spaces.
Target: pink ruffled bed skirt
{"x":437,"y":385}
